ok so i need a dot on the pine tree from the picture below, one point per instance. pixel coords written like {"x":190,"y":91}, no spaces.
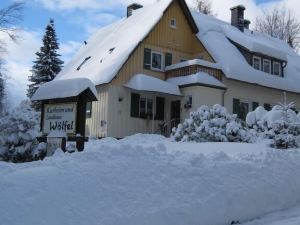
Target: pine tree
{"x":47,"y":64}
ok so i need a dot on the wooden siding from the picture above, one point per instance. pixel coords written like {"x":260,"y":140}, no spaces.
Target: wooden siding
{"x":99,"y":113}
{"x":188,"y":70}
{"x":180,"y":41}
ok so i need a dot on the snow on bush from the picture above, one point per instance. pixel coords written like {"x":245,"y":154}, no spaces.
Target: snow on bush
{"x":212,"y":124}
{"x":18,"y":131}
{"x":281,"y":124}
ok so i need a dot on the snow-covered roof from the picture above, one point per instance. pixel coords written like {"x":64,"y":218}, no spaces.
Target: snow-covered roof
{"x":142,"y":82}
{"x":106,"y":51}
{"x":64,"y":89}
{"x":198,"y":78}
{"x":199,"y":62}
{"x":215,"y":35}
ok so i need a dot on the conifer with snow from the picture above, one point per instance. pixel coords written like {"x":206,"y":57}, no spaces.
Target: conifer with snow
{"x":2,"y":91}
{"x":212,"y":124}
{"x":47,"y":64}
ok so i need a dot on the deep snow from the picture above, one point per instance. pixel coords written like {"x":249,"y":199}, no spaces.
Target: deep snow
{"x":147,"y":179}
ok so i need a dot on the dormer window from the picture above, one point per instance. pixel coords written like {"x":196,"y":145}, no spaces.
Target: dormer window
{"x":267,"y":65}
{"x":256,"y":62}
{"x":277,"y":68}
{"x":173,"y":23}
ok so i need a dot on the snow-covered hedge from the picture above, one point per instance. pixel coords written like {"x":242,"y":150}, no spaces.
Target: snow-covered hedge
{"x":212,"y":124}
{"x":18,"y":131}
{"x":281,"y":124}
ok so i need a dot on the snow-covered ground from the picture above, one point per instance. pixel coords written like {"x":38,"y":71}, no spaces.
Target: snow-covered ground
{"x":149,"y":180}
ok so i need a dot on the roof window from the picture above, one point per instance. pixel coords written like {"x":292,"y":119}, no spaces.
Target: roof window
{"x":84,"y":61}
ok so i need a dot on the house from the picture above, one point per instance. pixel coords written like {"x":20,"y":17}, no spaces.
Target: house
{"x":152,"y":68}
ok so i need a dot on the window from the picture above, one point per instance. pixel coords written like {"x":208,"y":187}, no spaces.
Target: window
{"x":256,"y":62}
{"x":88,"y":111}
{"x":173,"y":23}
{"x":242,"y":107}
{"x":183,"y":59}
{"x":146,"y":107}
{"x":267,"y":65}
{"x":277,"y":68}
{"x":84,"y":61}
{"x":267,"y":106}
{"x":156,"y":61}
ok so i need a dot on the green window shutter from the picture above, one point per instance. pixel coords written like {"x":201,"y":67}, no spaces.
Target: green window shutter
{"x":160,"y":108}
{"x":135,"y":102}
{"x":267,"y":106}
{"x":168,"y":59}
{"x":147,"y":58}
{"x":236,"y":106}
{"x":254,"y":105}
{"x":88,"y":111}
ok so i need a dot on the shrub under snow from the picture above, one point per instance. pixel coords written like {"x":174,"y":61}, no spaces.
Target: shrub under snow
{"x":281,"y":124}
{"x":212,"y":124}
{"x":18,"y":131}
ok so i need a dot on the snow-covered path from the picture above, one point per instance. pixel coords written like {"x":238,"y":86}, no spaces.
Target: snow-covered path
{"x":146,"y":180}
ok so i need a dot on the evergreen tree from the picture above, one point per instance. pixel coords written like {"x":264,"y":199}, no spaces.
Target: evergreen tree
{"x":47,"y":64}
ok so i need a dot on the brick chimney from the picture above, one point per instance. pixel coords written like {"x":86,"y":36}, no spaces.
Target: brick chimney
{"x":132,"y":7}
{"x":237,"y":17}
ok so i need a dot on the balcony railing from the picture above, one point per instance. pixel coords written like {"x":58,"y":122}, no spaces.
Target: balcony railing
{"x":192,"y":69}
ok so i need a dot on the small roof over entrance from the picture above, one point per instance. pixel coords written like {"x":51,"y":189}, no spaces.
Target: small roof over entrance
{"x":142,"y":82}
{"x":66,"y":88}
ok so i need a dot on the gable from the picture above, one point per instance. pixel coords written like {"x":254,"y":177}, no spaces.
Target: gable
{"x":180,"y":41}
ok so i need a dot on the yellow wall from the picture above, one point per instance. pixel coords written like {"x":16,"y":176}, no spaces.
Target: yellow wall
{"x":180,"y":41}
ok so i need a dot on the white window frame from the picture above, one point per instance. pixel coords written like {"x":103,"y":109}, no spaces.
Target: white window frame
{"x":146,"y":106}
{"x":175,"y":23}
{"x":270,"y":65}
{"x":162,"y":61}
{"x":279,"y":64}
{"x":259,"y":58}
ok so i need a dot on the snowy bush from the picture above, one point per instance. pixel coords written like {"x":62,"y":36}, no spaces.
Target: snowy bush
{"x":212,"y":124}
{"x":18,"y":131}
{"x":281,"y":124}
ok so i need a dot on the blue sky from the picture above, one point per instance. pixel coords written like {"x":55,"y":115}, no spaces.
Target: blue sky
{"x":76,"y":20}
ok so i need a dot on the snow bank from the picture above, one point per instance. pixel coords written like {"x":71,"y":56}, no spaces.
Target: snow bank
{"x":127,"y":182}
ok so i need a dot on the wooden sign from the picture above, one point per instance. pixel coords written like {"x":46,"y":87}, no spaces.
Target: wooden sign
{"x":60,"y":117}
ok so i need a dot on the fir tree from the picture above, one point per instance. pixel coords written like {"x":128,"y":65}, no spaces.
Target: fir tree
{"x":47,"y":64}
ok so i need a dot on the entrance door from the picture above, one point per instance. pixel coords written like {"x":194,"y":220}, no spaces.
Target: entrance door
{"x":175,"y":113}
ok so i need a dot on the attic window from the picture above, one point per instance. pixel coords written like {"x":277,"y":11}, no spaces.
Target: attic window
{"x":256,"y":62}
{"x":111,"y":50}
{"x":84,"y":61}
{"x":173,"y":23}
{"x":267,"y":65}
{"x":276,"y":69}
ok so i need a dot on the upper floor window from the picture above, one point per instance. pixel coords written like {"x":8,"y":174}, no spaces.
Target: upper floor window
{"x":156,"y":61}
{"x":277,"y":68}
{"x":173,"y":23}
{"x":256,"y":62}
{"x":267,"y":65}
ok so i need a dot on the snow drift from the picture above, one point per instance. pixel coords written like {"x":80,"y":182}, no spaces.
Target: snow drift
{"x":143,"y":180}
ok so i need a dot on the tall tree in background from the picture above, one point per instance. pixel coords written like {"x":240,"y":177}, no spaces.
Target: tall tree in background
{"x":204,"y":6}
{"x":10,"y":16}
{"x":47,"y":64}
{"x":280,"y":23}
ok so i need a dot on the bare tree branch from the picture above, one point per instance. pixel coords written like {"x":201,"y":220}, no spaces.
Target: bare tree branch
{"x":281,"y":23}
